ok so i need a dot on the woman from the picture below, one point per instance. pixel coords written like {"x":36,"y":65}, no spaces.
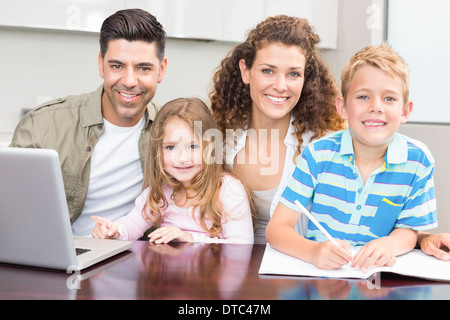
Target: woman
{"x":276,"y":87}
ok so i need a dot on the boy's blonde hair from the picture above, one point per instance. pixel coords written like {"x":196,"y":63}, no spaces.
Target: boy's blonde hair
{"x":381,"y":56}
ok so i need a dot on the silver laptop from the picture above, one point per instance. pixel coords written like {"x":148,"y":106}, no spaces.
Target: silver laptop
{"x":35,"y":228}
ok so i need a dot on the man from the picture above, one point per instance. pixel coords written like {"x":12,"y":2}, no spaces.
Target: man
{"x":101,"y":136}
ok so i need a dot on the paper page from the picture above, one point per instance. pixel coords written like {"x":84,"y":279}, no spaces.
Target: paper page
{"x":418,"y":264}
{"x":415,"y":263}
{"x":276,"y":262}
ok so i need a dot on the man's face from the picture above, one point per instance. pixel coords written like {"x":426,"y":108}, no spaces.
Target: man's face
{"x":131,"y":72}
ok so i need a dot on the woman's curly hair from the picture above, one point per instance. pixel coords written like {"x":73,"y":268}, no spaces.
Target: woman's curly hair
{"x":315,"y":111}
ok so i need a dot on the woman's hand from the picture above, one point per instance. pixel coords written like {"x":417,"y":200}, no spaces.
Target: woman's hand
{"x":435,"y":245}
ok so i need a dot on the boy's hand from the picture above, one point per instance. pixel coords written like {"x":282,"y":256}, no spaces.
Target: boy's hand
{"x":169,"y":233}
{"x":330,"y":256}
{"x":375,"y":253}
{"x":104,"y":229}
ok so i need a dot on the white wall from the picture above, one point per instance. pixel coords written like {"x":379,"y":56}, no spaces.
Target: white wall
{"x":39,"y":65}
{"x":427,"y":133}
{"x":418,"y":30}
{"x":190,"y":68}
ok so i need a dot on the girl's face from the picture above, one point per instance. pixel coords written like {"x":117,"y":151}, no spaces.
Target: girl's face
{"x":131,"y":72}
{"x":275,"y":79}
{"x":182,"y":151}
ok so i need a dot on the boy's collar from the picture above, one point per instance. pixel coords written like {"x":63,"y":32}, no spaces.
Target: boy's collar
{"x":397,"y":151}
{"x":346,"y":143}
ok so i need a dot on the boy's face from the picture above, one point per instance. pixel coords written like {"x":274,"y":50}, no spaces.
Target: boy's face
{"x":374,"y":107}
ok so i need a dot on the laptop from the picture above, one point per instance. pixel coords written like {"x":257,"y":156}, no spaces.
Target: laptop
{"x":35,"y":227}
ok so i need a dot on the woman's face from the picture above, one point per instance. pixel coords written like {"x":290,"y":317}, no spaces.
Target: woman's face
{"x":275,"y":79}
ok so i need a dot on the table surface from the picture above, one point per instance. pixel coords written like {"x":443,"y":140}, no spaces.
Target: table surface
{"x":186,"y":271}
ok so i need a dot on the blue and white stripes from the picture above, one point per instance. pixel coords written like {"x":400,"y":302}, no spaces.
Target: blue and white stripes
{"x":398,"y":194}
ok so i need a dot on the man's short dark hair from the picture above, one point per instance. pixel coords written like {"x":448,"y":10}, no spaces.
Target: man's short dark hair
{"x":133,"y":25}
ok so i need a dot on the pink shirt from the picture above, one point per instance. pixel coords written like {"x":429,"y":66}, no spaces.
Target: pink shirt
{"x":237,"y":225}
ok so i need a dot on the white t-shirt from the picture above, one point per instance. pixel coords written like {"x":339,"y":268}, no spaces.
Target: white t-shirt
{"x":116,"y":176}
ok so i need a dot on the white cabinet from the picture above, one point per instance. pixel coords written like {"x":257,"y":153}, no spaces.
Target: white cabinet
{"x":77,"y":15}
{"x":229,"y":20}
{"x":220,"y":20}
{"x":322,"y":14}
{"x":193,"y":19}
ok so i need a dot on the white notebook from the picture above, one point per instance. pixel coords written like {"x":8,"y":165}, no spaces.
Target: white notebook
{"x":413,"y":264}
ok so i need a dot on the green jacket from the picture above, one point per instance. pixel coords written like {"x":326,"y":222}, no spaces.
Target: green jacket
{"x":72,"y":126}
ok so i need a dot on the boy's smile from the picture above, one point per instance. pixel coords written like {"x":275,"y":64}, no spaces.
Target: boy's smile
{"x":374,"y":107}
{"x":373,"y":123}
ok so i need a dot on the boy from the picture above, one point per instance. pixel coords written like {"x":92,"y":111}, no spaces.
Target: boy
{"x":368,"y":185}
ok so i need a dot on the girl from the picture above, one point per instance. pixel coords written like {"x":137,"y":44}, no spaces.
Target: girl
{"x":186,"y":196}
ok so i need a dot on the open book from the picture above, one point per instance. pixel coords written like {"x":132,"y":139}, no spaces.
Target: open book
{"x":413,"y":264}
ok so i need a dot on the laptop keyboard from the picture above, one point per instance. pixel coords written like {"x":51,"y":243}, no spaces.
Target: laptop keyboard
{"x":79,"y":251}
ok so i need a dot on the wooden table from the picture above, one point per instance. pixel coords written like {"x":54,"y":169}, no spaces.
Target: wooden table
{"x":184,"y":271}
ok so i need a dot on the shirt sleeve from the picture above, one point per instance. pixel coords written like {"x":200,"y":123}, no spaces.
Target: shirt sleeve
{"x":302,"y":183}
{"x":237,"y":223}
{"x":26,"y":133}
{"x":419,"y":211}
{"x":133,"y":225}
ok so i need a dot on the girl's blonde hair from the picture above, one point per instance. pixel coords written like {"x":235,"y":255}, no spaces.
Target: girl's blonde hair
{"x":206,"y":185}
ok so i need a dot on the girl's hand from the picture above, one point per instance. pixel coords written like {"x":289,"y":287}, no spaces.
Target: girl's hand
{"x":169,"y":233}
{"x":330,"y":256}
{"x":105,"y":229}
{"x":375,"y":253}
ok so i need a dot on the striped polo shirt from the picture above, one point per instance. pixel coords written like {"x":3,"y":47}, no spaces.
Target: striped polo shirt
{"x":399,"y":194}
